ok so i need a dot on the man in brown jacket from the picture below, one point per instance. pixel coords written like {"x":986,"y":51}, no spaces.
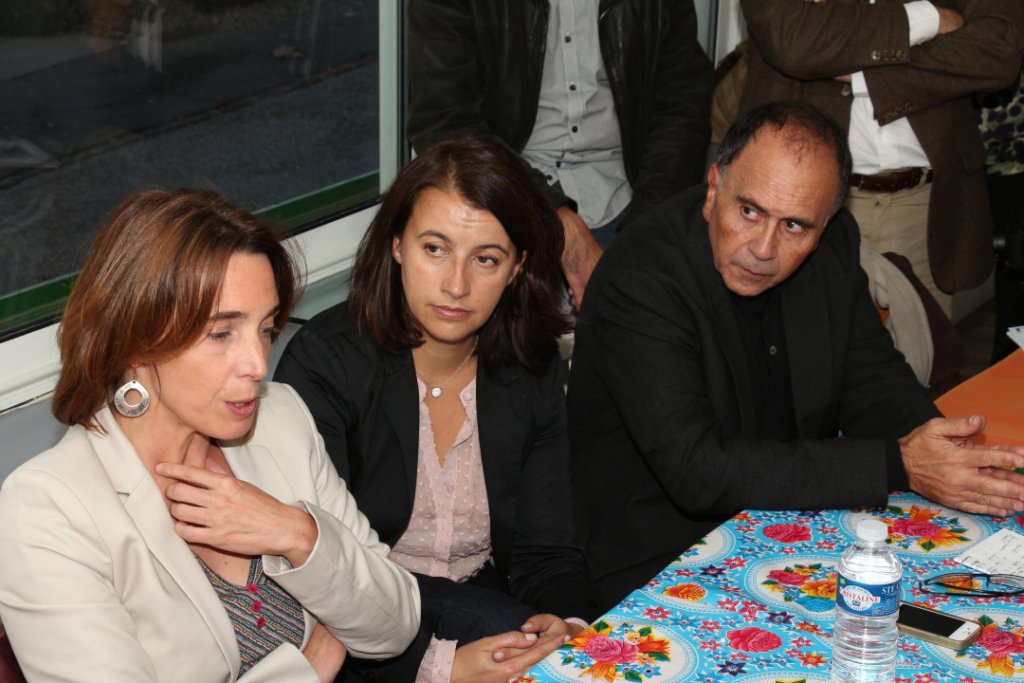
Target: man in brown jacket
{"x":898,"y":77}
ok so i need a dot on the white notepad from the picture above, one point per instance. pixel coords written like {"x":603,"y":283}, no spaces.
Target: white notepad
{"x":1017,"y":335}
{"x":1000,"y":553}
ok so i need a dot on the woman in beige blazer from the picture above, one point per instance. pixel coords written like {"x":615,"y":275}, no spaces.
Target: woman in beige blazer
{"x":189,"y":526}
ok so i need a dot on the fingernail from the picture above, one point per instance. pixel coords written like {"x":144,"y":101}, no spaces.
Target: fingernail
{"x":159,"y":468}
{"x":565,"y":638}
{"x":973,"y":419}
{"x":499,"y":655}
{"x":531,"y":636}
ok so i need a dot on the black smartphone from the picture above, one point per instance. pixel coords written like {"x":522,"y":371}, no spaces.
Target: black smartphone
{"x":937,"y":627}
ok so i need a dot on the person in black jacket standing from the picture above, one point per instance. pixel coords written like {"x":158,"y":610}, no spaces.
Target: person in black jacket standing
{"x":608,"y":101}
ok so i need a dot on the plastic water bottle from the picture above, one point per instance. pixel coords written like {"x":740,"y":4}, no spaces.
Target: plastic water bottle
{"x":867,"y":606}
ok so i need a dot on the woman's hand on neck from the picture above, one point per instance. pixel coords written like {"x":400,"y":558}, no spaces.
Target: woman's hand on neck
{"x":155,"y":443}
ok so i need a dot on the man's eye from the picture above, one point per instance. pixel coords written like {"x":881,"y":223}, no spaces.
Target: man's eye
{"x":748,"y":212}
{"x":792,"y":226}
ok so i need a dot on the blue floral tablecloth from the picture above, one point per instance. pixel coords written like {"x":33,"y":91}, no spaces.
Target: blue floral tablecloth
{"x":753,"y":602}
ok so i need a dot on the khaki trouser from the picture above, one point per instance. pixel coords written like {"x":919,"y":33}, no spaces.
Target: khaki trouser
{"x":898,"y":221}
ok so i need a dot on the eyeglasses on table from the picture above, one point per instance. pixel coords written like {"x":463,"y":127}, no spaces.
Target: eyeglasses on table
{"x":964,"y":584}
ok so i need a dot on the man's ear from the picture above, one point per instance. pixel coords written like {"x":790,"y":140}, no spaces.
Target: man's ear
{"x":714,"y":175}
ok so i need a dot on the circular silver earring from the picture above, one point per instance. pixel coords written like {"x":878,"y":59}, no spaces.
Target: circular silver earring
{"x":128,"y":409}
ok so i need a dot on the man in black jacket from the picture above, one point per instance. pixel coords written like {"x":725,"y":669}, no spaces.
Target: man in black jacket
{"x":608,"y":101}
{"x":729,"y":357}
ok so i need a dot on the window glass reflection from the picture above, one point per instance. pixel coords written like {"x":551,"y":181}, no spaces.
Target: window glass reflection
{"x":263,"y":100}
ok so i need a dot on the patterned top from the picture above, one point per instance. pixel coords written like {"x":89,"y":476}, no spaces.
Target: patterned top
{"x":1002,"y":128}
{"x":263,"y":614}
{"x":449,"y":532}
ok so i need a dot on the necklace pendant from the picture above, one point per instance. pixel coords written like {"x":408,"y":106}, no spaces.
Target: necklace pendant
{"x":435,"y":392}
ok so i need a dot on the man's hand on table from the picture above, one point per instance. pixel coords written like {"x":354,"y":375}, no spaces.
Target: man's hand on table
{"x":943,"y":464}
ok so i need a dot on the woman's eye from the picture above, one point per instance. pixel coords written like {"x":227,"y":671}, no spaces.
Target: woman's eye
{"x":219,"y":335}
{"x":487,"y":260}
{"x":433,"y":249}
{"x":271,"y":332}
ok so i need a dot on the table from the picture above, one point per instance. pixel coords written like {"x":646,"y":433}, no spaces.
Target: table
{"x":998,"y":394}
{"x":753,"y":602}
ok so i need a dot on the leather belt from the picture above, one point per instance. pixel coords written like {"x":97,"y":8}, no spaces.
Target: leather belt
{"x":894,"y":181}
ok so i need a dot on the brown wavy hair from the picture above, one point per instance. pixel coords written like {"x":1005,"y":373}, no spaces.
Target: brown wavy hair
{"x":486,"y":174}
{"x":148,"y":288}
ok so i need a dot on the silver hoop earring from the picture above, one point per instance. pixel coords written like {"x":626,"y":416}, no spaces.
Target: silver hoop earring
{"x":127,"y":409}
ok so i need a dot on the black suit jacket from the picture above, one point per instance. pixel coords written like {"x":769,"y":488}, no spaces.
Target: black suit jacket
{"x":366,"y":406}
{"x":662,"y":412}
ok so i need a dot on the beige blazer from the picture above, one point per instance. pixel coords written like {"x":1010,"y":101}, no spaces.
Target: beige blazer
{"x":96,"y":586}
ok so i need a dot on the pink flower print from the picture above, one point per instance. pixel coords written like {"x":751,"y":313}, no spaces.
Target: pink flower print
{"x":753,"y":639}
{"x":1000,"y":643}
{"x":609,"y":650}
{"x":787,"y":578}
{"x":918,"y":528}
{"x":787,"y":533}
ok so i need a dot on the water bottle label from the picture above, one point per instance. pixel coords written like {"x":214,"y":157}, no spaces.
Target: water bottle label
{"x":867,"y":599}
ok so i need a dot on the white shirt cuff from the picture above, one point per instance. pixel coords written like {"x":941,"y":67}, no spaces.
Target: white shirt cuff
{"x":858,"y":84}
{"x":924,"y":21}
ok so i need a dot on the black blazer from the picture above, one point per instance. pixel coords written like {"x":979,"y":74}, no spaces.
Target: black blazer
{"x":663,"y":411}
{"x":366,"y":406}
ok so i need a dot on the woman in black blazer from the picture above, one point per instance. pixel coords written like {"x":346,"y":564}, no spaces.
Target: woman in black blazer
{"x":455,"y":307}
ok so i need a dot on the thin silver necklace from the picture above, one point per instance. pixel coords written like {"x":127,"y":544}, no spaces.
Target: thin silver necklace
{"x":439,"y":389}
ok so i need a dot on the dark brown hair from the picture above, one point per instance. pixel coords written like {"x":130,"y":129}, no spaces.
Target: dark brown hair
{"x":148,"y":288}
{"x":487,"y":175}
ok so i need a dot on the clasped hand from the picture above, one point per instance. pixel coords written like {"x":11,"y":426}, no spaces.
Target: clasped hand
{"x":944,"y":464}
{"x":216,"y":509}
{"x":506,"y":656}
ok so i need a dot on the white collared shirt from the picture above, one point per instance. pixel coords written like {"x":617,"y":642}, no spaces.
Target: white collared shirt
{"x":576,"y":139}
{"x":875,"y":148}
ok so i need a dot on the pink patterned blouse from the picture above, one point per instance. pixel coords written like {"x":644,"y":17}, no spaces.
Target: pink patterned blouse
{"x":449,"y":533}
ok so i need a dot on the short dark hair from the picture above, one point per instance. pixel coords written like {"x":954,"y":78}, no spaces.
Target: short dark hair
{"x":486,"y":174}
{"x":148,"y":287}
{"x":806,"y":119}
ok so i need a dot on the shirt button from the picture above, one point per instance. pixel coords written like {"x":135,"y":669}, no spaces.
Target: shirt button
{"x":558,"y":164}
{"x":846,"y":90}
{"x":772,"y":350}
{"x":548,"y":176}
{"x":575,"y":129}
{"x":572,"y":86}
{"x":875,"y":55}
{"x":568,"y":39}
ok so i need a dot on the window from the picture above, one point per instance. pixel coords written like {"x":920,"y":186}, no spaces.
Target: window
{"x":288,"y":107}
